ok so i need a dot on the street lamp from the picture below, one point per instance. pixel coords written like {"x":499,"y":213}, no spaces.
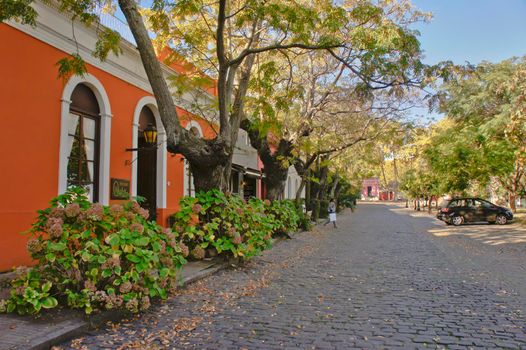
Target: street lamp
{"x":150,"y":136}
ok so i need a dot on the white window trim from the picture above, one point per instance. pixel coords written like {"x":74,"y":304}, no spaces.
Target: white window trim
{"x":162,"y":153}
{"x":186,"y":166}
{"x":105,"y":134}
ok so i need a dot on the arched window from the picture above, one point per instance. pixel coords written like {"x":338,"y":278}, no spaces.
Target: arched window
{"x":83,"y":144}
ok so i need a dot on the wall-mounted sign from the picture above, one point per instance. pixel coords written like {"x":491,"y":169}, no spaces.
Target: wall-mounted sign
{"x":120,"y":189}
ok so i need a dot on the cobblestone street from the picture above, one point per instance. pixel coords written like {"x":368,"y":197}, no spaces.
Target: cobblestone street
{"x":383,"y":279}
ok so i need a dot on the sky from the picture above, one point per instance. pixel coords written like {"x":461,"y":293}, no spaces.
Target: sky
{"x":470,"y":31}
{"x":473,"y":30}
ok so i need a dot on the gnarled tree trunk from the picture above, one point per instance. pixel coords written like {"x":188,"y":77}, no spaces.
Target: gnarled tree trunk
{"x":275,"y":168}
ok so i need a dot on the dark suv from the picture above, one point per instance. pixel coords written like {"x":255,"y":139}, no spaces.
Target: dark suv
{"x":460,"y":210}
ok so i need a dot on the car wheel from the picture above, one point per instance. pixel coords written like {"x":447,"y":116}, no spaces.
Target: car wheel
{"x":457,"y":220}
{"x":502,"y":220}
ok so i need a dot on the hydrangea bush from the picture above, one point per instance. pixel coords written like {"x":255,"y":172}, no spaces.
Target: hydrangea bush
{"x":286,"y":218}
{"x":91,"y":256}
{"x":225,"y":223}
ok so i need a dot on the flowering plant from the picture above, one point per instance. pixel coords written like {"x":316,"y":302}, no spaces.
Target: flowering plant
{"x":93,"y":257}
{"x":286,"y":218}
{"x":227,"y":224}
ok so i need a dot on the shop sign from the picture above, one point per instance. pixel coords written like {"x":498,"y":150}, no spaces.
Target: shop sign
{"x":120,"y":189}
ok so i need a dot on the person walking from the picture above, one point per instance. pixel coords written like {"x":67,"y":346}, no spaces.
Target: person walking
{"x":332,"y":213}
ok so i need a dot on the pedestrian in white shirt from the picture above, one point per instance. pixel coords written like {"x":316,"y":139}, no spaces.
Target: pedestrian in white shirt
{"x":332,"y":213}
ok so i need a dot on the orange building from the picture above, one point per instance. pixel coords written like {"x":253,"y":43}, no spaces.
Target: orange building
{"x":78,"y":132}
{"x":86,"y":130}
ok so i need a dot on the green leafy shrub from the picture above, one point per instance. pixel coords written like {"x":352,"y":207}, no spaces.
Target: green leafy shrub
{"x":225,"y":223}
{"x":91,"y":256}
{"x":304,"y":220}
{"x":347,"y":201}
{"x":286,"y":218}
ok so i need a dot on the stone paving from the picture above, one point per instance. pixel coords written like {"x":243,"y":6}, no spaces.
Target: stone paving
{"x":381,"y":280}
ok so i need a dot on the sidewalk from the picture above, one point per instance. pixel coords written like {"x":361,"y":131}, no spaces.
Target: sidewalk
{"x":58,"y":325}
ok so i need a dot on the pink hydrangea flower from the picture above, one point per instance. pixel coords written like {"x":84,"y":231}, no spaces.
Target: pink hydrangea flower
{"x":137,"y":227}
{"x":237,"y":239}
{"x":196,"y":209}
{"x":116,"y":210}
{"x":90,"y":286}
{"x":132,"y":305}
{"x":125,"y":287}
{"x":72,"y":210}
{"x":55,"y":230}
{"x":34,"y":246}
{"x":57,"y":212}
{"x":184,"y":249}
{"x":136,"y":207}
{"x":145,"y":303}
{"x":95,"y":212}
{"x":144,"y":213}
{"x":231,"y":231}
{"x":198,"y":253}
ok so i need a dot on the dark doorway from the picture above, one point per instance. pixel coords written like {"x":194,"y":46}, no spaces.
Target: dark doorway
{"x":369,"y":191}
{"x":249,"y":187}
{"x":147,"y":166}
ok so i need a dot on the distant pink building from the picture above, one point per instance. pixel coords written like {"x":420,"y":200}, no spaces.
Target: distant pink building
{"x":371,"y":188}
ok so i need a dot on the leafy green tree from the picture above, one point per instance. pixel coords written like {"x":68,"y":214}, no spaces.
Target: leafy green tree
{"x":316,"y":103}
{"x":486,"y":139}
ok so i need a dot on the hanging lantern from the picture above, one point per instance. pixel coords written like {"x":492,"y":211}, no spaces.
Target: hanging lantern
{"x":150,"y":135}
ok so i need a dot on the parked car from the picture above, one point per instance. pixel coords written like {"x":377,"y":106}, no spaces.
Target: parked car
{"x":461,"y":210}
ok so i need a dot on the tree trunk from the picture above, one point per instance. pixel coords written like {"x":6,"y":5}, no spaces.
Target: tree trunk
{"x":209,"y":159}
{"x":322,"y":187}
{"x":208,"y":178}
{"x":334,"y":185}
{"x":512,"y":199}
{"x":275,"y":169}
{"x":383,"y":175}
{"x":429,"y":204}
{"x":307,"y":194}
{"x":395,"y":189}
{"x":299,"y":191}
{"x":275,"y":183}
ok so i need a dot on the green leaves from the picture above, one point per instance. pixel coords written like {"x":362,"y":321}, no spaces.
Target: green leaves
{"x":73,"y":65}
{"x":133,"y":258}
{"x":49,"y":303}
{"x":482,"y":138}
{"x":58,"y":247}
{"x":226,"y":224}
{"x":113,"y":239}
{"x":108,"y":41}
{"x":46,"y":286}
{"x":18,"y":10}
{"x":108,"y":263}
{"x":142,"y":241}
